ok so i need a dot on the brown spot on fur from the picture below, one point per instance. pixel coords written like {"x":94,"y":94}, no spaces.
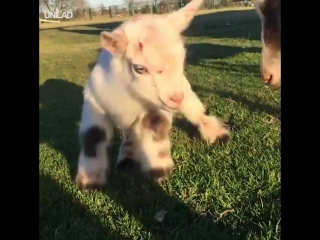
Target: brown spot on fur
{"x":165,"y":153}
{"x":129,"y":154}
{"x":160,"y":173}
{"x":158,"y":124}
{"x":83,"y":183}
{"x":91,"y":138}
{"x":224,"y":138}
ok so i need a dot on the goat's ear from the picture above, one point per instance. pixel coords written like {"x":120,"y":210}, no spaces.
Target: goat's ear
{"x":115,"y":42}
{"x":182,"y":18}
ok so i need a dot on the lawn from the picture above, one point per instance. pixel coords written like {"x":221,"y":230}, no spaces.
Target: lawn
{"x":229,"y":191}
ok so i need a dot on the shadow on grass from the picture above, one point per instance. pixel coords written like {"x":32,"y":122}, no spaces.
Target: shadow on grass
{"x":234,"y":68}
{"x":101,"y":26}
{"x":201,"y":51}
{"x":226,"y":24}
{"x":61,"y":103}
{"x":251,"y":105}
{"x":59,"y":210}
{"x":97,"y":31}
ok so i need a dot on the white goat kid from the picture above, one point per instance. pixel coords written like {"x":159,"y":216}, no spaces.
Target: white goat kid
{"x":137,"y":85}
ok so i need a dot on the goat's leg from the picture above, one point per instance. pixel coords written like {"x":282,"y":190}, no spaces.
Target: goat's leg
{"x":210,"y":127}
{"x":96,"y":132}
{"x":147,"y":145}
{"x":127,"y":153}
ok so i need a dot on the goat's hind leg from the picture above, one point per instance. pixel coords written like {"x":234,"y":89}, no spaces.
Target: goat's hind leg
{"x":96,"y":132}
{"x":147,"y":147}
{"x":155,"y":145}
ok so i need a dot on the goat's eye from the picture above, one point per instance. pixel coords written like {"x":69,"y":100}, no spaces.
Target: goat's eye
{"x":139,"y":69}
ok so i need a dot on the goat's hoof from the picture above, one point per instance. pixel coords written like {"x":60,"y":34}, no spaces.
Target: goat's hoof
{"x":212,"y":129}
{"x":224,"y":138}
{"x":160,"y":174}
{"x":128,"y":165}
{"x":90,"y":181}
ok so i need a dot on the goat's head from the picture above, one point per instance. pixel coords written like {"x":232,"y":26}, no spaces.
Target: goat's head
{"x":153,"y":49}
{"x":270,"y":15}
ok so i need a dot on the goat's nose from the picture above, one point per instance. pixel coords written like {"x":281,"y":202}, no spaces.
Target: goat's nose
{"x":177,"y":97}
{"x":266,"y":76}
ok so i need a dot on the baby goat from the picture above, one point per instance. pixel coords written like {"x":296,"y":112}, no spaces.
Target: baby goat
{"x":137,"y":85}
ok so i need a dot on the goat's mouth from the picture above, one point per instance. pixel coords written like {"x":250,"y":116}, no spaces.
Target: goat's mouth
{"x":168,"y":107}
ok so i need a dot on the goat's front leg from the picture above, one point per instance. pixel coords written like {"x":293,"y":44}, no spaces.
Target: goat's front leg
{"x":96,"y":132}
{"x":146,"y":145}
{"x":210,"y":127}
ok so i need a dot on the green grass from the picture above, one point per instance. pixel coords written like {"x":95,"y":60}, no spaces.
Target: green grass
{"x":217,"y":192}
